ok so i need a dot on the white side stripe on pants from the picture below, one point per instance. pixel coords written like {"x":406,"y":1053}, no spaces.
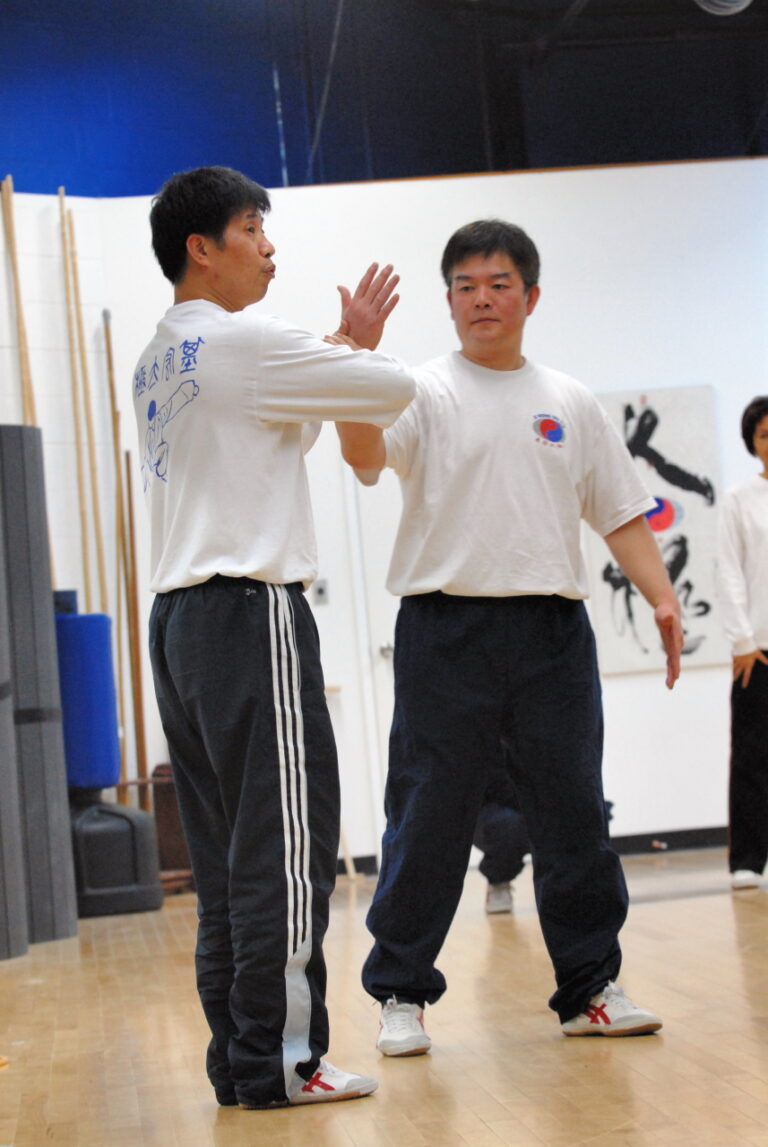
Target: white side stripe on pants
{"x":289,"y":728}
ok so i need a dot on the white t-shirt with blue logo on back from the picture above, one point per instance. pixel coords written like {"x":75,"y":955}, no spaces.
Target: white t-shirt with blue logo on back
{"x":225,"y":403}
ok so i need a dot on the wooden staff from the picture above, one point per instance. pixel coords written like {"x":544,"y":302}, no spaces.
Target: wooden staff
{"x":134,"y":640}
{"x":29,"y":414}
{"x":121,"y":580}
{"x":76,"y":413}
{"x":91,"y":438}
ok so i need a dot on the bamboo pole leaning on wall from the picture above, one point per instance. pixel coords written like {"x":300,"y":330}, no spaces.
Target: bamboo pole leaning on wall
{"x":121,"y":581}
{"x":134,"y":639}
{"x":90,"y":436}
{"x":29,"y":413}
{"x":85,"y":554}
{"x":29,"y":409}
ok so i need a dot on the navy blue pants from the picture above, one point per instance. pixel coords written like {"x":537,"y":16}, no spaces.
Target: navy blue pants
{"x":501,"y":835}
{"x":748,"y":785}
{"x":240,"y":690}
{"x":472,"y":675}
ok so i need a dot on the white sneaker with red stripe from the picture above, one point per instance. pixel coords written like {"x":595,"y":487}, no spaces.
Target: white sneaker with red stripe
{"x":329,"y":1084}
{"x":611,"y":1013}
{"x":325,"y":1086}
{"x":402,"y":1029}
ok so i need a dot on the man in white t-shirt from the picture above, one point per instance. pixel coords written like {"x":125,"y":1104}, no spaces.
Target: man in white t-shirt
{"x":499,"y":460}
{"x":225,"y":398}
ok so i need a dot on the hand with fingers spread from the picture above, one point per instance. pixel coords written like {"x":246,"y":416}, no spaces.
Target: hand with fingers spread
{"x":364,"y":314}
{"x":744,"y":663}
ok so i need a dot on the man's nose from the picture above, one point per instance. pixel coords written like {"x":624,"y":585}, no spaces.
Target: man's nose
{"x":482,"y":298}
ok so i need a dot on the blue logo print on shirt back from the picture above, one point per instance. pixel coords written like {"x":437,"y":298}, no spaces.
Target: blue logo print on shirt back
{"x":156,"y":448}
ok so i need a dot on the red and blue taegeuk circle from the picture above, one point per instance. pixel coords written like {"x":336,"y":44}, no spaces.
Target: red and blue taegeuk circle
{"x":549,"y":428}
{"x":664,"y":514}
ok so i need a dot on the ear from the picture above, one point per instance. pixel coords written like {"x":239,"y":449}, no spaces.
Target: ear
{"x":450,"y":301}
{"x":197,"y":249}
{"x":533,"y":298}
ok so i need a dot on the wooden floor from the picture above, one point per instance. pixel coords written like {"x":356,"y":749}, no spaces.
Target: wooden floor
{"x":105,"y":1038}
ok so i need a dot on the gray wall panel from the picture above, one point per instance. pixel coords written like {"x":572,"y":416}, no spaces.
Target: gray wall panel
{"x":13,"y":903}
{"x":42,"y":781}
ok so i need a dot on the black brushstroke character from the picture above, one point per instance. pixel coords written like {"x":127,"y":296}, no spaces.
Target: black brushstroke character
{"x":638,"y":443}
{"x":621,"y":605}
{"x":675,"y":553}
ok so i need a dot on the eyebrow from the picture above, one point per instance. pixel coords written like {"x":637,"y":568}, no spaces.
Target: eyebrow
{"x":465,"y":276}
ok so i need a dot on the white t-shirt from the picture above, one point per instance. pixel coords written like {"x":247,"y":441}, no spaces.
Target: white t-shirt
{"x":220,"y":400}
{"x":742,"y":569}
{"x":497,"y":470}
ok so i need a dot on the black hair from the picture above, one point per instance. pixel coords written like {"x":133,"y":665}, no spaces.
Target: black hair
{"x":201,"y":201}
{"x":753,"y":413}
{"x":486,"y":237}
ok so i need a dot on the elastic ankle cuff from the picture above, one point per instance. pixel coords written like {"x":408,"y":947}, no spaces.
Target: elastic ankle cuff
{"x":400,"y":999}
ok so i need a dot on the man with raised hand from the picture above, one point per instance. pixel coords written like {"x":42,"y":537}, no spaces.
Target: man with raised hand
{"x":226,"y":397}
{"x":499,"y":461}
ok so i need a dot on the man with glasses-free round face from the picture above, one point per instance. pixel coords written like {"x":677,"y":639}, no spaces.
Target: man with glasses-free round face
{"x":499,"y":460}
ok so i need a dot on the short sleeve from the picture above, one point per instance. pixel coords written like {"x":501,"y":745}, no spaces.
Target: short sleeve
{"x":612,"y":493}
{"x":401,"y":440}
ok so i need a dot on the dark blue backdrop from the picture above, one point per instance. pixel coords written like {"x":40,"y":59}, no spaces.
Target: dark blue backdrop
{"x":108,"y":98}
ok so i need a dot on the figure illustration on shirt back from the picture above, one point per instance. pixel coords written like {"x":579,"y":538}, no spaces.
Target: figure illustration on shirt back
{"x":155,"y":444}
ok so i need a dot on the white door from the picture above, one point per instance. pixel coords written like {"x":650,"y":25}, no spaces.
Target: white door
{"x":377,"y":509}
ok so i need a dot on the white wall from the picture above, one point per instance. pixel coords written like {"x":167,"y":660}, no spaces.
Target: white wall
{"x":652,"y":276}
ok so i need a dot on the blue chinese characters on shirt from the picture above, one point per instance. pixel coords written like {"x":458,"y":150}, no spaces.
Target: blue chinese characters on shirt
{"x":179,"y":363}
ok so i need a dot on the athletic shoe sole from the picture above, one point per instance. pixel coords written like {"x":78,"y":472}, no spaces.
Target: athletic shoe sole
{"x":398,"y":1051}
{"x":303,"y":1098}
{"x":614,"y":1031}
{"x":331,"y":1097}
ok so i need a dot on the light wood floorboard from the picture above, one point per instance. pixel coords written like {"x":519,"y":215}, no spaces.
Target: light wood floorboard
{"x":105,"y":1039}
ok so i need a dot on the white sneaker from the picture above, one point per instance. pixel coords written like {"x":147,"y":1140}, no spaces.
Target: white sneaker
{"x":402,"y":1029}
{"x":498,"y":898}
{"x":743,"y":878}
{"x":611,"y":1013}
{"x":329,"y":1084}
{"x":326,"y":1085}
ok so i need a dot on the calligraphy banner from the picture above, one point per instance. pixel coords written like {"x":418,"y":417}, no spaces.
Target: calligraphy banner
{"x":670,"y":433}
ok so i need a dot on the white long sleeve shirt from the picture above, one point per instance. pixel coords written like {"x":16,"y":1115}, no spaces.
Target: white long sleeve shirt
{"x":742,"y":569}
{"x":222,"y":402}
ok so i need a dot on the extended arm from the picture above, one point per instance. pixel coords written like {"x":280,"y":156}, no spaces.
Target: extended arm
{"x":362,"y":446}
{"x":363,"y":316}
{"x":634,"y":548}
{"x":300,"y":378}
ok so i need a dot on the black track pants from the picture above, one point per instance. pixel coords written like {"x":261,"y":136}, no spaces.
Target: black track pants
{"x":240,"y":690}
